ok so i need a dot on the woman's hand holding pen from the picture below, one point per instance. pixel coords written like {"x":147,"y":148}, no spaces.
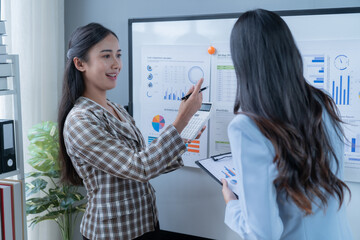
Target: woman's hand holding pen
{"x":189,"y":107}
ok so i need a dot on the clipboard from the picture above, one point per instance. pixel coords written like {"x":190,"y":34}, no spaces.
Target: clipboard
{"x":221,"y":166}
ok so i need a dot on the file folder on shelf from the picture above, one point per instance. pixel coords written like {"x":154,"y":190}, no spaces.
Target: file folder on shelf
{"x":17,"y":203}
{"x":7,"y":146}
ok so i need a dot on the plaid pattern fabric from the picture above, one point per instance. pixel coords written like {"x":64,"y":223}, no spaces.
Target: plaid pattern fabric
{"x":112,"y":159}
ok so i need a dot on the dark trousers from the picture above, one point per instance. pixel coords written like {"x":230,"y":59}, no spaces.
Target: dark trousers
{"x":154,"y":235}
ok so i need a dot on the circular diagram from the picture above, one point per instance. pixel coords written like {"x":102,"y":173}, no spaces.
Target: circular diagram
{"x":195,"y":73}
{"x":150,"y":76}
{"x":341,"y":62}
{"x":158,"y":122}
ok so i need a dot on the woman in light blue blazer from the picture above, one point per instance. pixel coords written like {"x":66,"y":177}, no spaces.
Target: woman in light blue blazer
{"x":286,"y":141}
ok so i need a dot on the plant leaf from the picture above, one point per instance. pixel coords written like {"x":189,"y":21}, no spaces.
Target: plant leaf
{"x":44,"y":146}
{"x":37,"y":205}
{"x":82,"y":207}
{"x":76,"y":196}
{"x":57,"y":195}
{"x":35,"y":186}
{"x":52,"y":174}
{"x":67,"y":202}
{"x":33,"y":174}
{"x":49,"y":216}
{"x":60,"y":199}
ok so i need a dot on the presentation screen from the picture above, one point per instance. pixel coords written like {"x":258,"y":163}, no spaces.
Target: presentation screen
{"x":168,"y":55}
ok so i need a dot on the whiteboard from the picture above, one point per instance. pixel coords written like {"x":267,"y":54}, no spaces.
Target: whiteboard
{"x":166,"y":52}
{"x":321,"y":35}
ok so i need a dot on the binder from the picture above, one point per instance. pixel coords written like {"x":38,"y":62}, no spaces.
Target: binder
{"x":7,"y":146}
{"x":6,"y":213}
{"x":17,"y":203}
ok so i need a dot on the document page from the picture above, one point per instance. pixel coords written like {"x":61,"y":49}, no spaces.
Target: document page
{"x":334,"y":67}
{"x":223,"y":91}
{"x":222,"y":168}
{"x":168,"y":72}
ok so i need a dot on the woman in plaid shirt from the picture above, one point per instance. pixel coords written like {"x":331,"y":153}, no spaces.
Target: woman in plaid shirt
{"x":102,"y":148}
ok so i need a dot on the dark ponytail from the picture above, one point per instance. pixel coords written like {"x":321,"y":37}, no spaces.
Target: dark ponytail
{"x":81,"y":40}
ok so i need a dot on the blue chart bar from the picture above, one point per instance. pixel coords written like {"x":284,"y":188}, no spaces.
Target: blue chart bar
{"x":321,"y":70}
{"x":340,"y":93}
{"x":150,"y":139}
{"x":354,"y":159}
{"x":348,"y":90}
{"x":318,"y":59}
{"x":337,"y":88}
{"x":226,"y":175}
{"x":174,"y":95}
{"x":319,"y":80}
{"x":340,"y":88}
{"x":353,"y":142}
{"x":229,"y":171}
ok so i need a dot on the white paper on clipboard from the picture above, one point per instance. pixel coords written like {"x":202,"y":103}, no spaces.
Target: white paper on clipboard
{"x":221,"y":167}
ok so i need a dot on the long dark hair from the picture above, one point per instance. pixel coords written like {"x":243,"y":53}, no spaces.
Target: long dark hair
{"x":81,"y":40}
{"x":272,"y":91}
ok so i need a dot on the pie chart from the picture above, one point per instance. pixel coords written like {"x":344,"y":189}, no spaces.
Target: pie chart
{"x":158,"y":122}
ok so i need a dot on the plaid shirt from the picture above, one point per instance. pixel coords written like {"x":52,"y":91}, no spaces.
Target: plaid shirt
{"x":112,"y":159}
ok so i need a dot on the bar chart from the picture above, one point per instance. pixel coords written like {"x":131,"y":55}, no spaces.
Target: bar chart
{"x":150,"y":139}
{"x":341,"y":90}
{"x":193,"y":146}
{"x":174,"y":95}
{"x":314,"y":69}
{"x":228,"y":173}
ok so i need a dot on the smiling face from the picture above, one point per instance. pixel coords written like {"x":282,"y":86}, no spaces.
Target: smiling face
{"x":102,"y":67}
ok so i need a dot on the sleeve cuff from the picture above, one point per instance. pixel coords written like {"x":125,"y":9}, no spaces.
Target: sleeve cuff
{"x":177,"y":138}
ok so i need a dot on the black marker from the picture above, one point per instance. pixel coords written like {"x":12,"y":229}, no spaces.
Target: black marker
{"x":187,"y":96}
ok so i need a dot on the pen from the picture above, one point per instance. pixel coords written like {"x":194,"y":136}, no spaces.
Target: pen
{"x":187,"y":96}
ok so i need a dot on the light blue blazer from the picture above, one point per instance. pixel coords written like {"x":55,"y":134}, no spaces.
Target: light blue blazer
{"x":261,"y":213}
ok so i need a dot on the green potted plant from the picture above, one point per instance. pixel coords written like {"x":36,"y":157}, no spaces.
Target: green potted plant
{"x":59,"y":202}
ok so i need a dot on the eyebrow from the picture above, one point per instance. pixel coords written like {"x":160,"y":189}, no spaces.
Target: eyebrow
{"x":109,"y":50}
